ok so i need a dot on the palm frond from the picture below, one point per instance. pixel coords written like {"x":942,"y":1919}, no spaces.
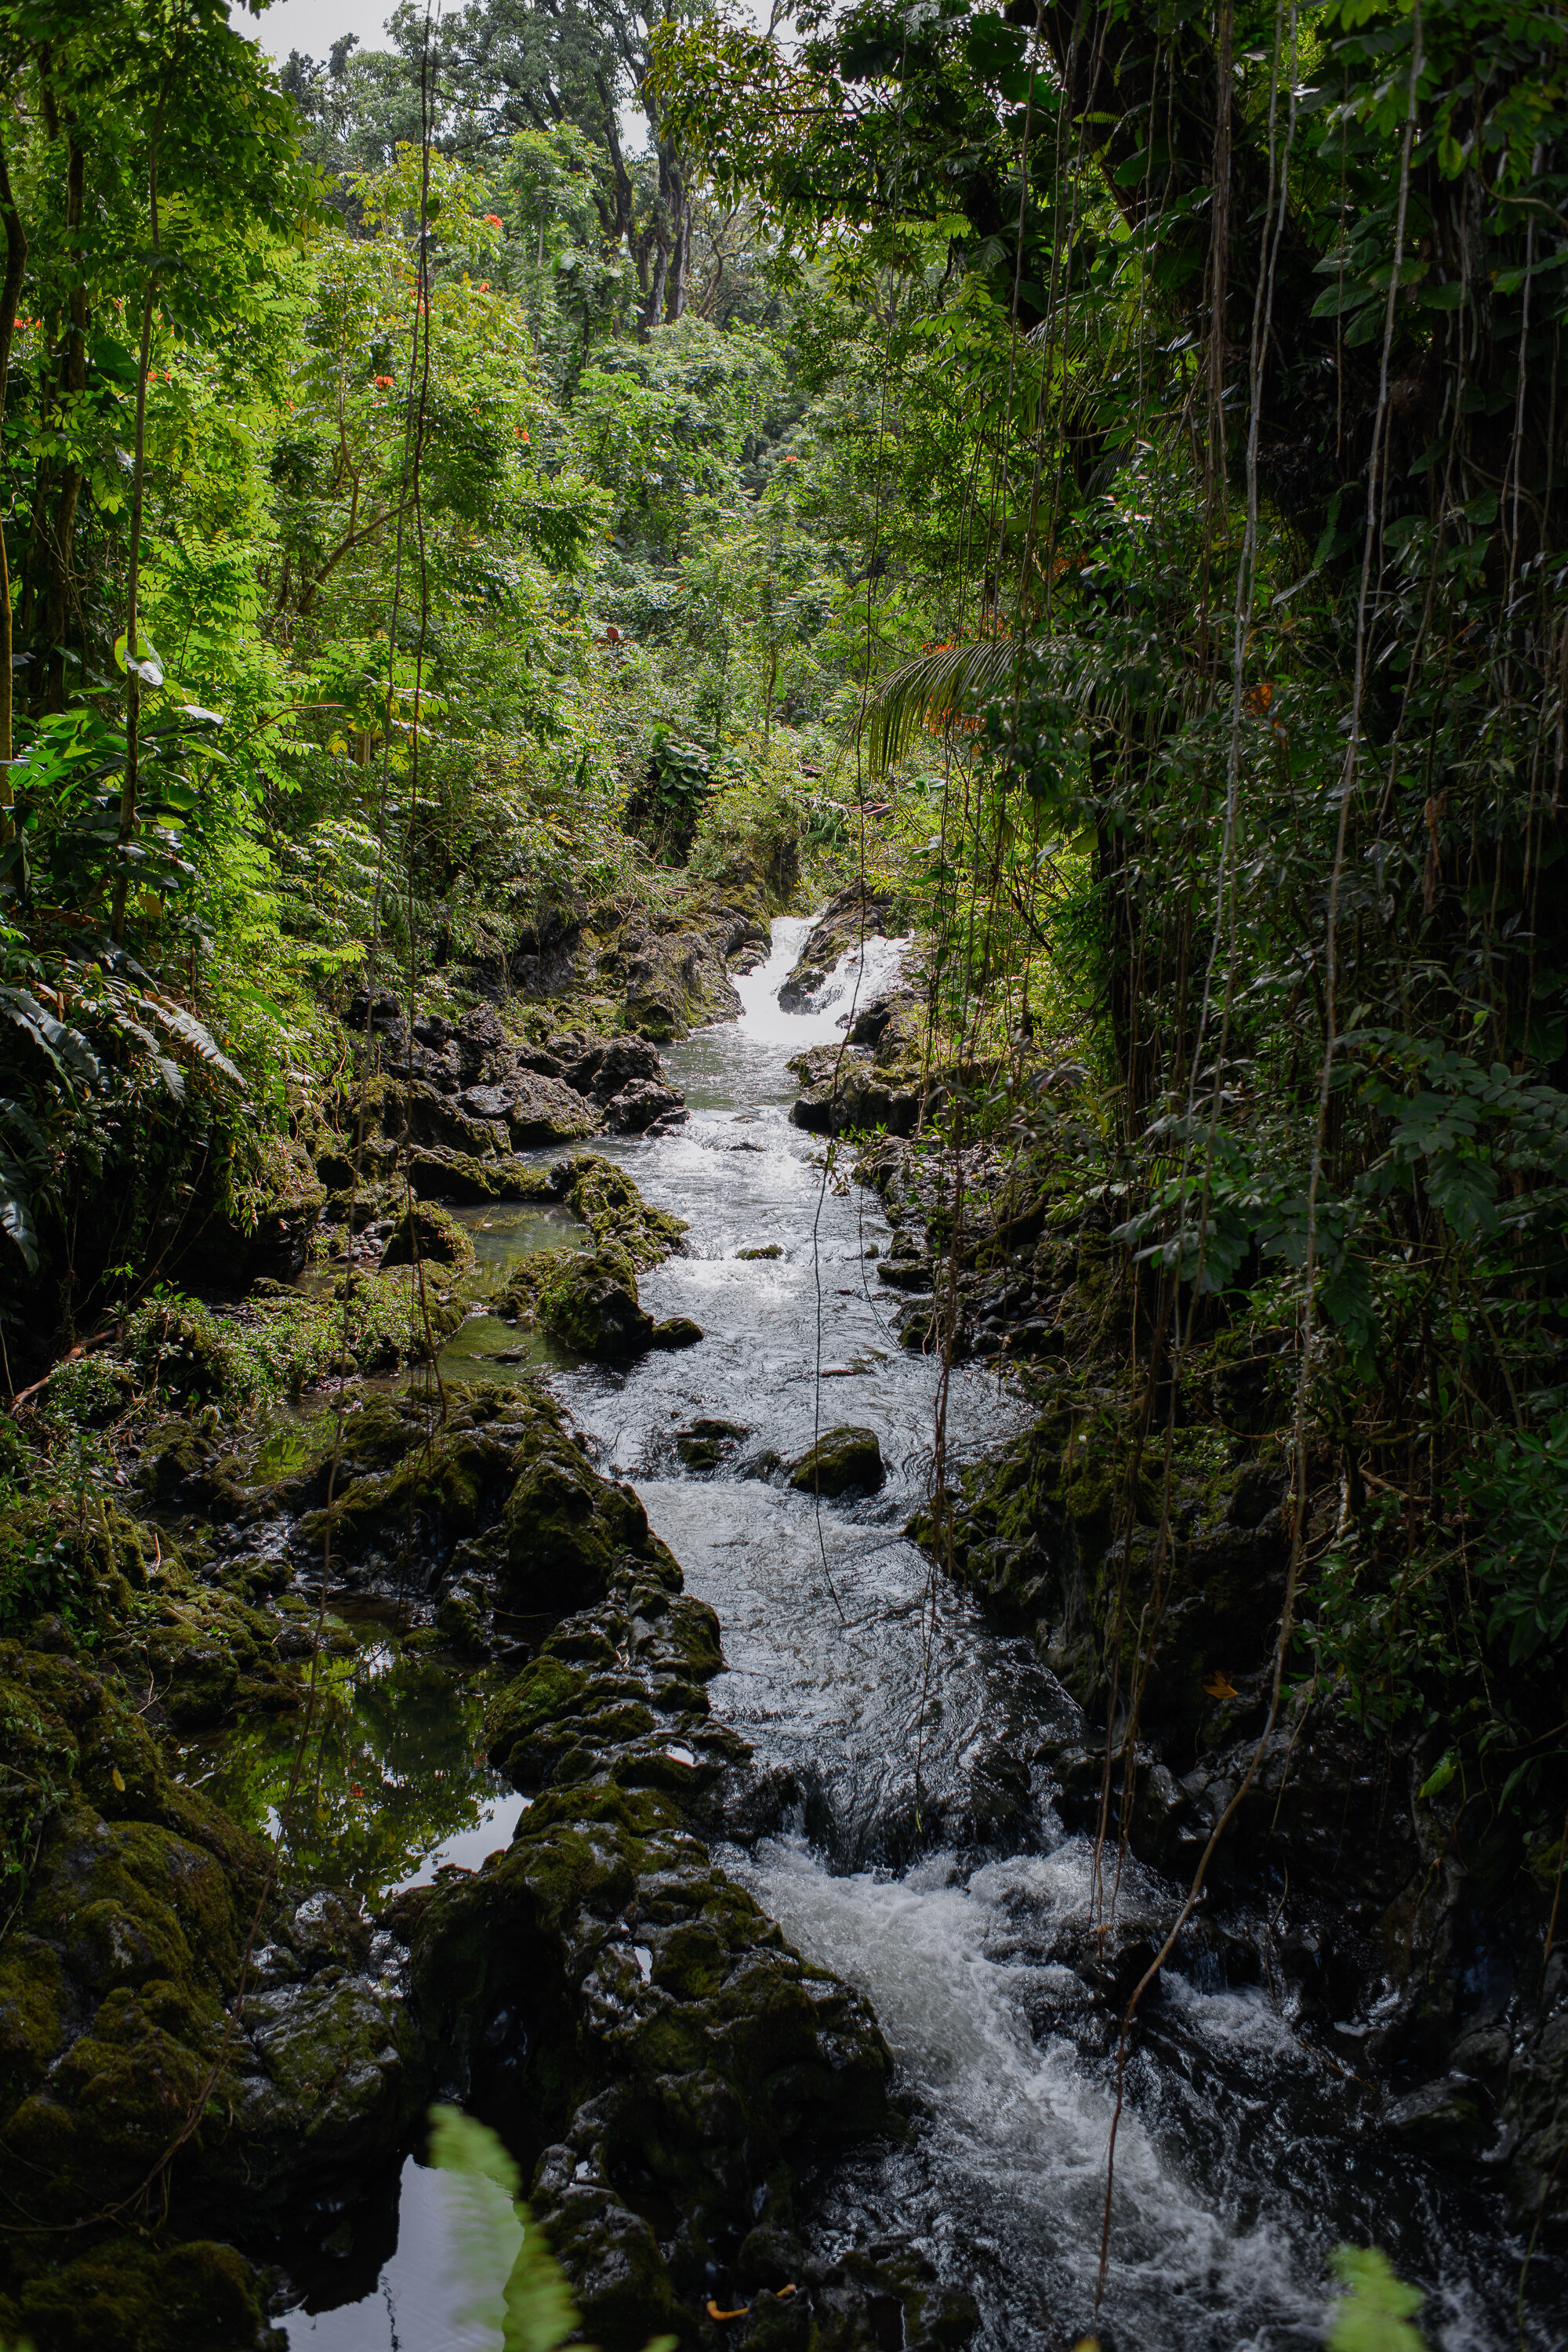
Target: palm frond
{"x":16,"y":1215}
{"x":931,"y":692}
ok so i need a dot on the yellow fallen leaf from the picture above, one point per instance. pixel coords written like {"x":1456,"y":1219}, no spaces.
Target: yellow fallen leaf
{"x":119,"y":1780}
{"x":1219,"y":1685}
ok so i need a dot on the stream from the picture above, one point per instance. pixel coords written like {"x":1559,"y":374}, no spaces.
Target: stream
{"x":924,"y":1860}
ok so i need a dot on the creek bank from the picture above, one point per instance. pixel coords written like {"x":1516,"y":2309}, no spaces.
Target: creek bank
{"x":588,"y":1299}
{"x":1395,"y":1919}
{"x":876,"y":1078}
{"x":563,"y":1045}
{"x":172,"y":2011}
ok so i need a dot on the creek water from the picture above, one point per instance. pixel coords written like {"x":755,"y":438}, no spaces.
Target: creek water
{"x":922,"y":1857}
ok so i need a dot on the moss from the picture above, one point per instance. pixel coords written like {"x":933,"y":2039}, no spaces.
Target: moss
{"x":610,"y":1205}
{"x":128,"y":2296}
{"x":440,"y":1174}
{"x":428,"y":1233}
{"x":541,"y":1694}
{"x":406,"y":1486}
{"x":842,"y":1461}
{"x":677,"y":1331}
{"x":279,"y":1342}
{"x":566,"y":1526}
{"x":590,"y":1304}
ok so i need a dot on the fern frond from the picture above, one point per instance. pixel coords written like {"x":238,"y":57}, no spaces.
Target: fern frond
{"x":193,"y":1033}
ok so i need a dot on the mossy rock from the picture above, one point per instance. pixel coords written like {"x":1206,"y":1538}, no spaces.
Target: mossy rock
{"x":412,"y":1488}
{"x":610,"y":1205}
{"x":677,"y":1331}
{"x":127,"y":2296}
{"x":428,"y":1233}
{"x":590,"y":1305}
{"x":565,"y":1528}
{"x":438,"y":1174}
{"x":843,"y":1461}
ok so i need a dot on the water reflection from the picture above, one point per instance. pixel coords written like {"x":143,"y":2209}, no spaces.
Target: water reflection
{"x":392,"y":1782}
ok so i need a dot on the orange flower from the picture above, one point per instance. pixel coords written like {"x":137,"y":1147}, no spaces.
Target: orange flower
{"x":492,"y":220}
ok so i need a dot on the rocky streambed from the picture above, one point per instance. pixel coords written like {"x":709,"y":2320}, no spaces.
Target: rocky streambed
{"x":668,"y":1807}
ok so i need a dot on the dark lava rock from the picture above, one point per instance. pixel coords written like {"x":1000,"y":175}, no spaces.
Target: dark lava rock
{"x":117,"y":2032}
{"x":543,"y":1110}
{"x":428,"y":1233}
{"x":1445,"y":2117}
{"x":438,"y":1174}
{"x":591,"y":1306}
{"x":707,"y":1441}
{"x":842,"y":1461}
{"x":612,"y":1209}
{"x":677,"y":1331}
{"x":635,"y":1109}
{"x":680,"y":2057}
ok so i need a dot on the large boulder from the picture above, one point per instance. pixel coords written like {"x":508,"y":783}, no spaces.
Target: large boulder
{"x":120,"y":2045}
{"x":610,"y":1205}
{"x":438,"y":1173}
{"x":641,"y":1105}
{"x":427,"y":1234}
{"x":544,"y":1110}
{"x":843,"y":1461}
{"x":590,"y":1305}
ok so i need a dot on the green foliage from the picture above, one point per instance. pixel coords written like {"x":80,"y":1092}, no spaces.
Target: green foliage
{"x":1522,"y":1498}
{"x":539,"y":2311}
{"x":1375,"y":2313}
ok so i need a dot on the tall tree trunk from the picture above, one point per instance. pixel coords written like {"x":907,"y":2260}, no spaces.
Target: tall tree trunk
{"x":10,"y":295}
{"x":62,"y":536}
{"x":133,"y":581}
{"x":675,"y":301}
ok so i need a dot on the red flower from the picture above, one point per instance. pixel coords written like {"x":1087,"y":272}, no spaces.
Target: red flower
{"x":492,"y":220}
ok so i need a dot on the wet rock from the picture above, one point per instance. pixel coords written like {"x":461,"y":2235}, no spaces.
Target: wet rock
{"x":843,"y":1461}
{"x":676,"y":1332}
{"x":767,"y":1249}
{"x":590,"y":1304}
{"x":427,"y":1233}
{"x":702,"y":2056}
{"x":1445,"y":2117}
{"x":637,"y":1106}
{"x":440,"y":1174}
{"x":1535,"y":2110}
{"x":566,"y":1527}
{"x":460,"y":1622}
{"x":116,"y":2036}
{"x":707,"y":1441}
{"x":905,"y":1272}
{"x":857,"y":913}
{"x":409,"y":1488}
{"x":612,"y":1209}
